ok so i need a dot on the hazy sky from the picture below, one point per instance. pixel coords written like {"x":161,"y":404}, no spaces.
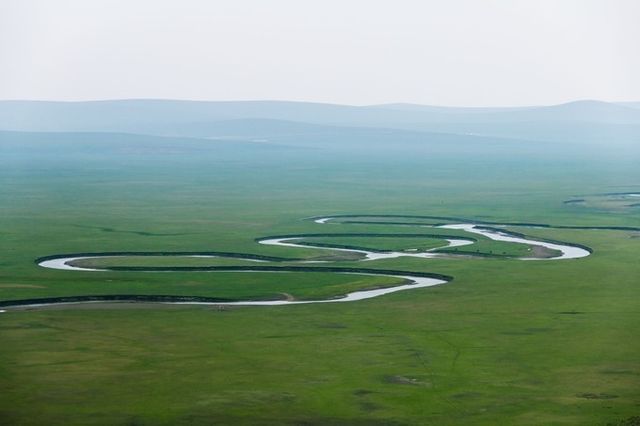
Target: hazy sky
{"x":447,"y":52}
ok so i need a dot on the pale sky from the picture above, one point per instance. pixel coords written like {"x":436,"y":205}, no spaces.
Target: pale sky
{"x":447,"y":52}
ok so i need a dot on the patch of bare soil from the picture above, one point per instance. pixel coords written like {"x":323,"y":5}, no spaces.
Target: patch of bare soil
{"x":288,"y":297}
{"x":543,"y":252}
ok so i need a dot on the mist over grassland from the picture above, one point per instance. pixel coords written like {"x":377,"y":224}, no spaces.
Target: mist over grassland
{"x":584,"y":129}
{"x":336,"y":159}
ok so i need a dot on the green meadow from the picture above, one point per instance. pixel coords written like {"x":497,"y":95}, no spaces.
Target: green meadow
{"x":506,"y":341}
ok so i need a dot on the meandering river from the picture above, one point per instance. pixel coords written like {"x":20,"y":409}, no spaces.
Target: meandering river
{"x":413,"y":280}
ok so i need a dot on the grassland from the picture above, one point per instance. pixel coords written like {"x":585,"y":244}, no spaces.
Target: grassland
{"x":506,"y":342}
{"x":618,"y":202}
{"x":379,"y":243}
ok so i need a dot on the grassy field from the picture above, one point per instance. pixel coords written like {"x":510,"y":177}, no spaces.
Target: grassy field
{"x":506,"y":342}
{"x":380,"y":243}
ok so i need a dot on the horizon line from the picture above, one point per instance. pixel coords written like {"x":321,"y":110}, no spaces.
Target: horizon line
{"x":398,"y":103}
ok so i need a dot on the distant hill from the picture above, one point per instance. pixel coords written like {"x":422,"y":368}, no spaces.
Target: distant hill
{"x":579,"y":111}
{"x":398,"y":127}
{"x":243,"y":128}
{"x":208,"y":118}
{"x":56,"y":143}
{"x":589,"y":111}
{"x":583,"y":132}
{"x":445,"y":109}
{"x":629,"y":104}
{"x":130,"y":115}
{"x":311,"y":143}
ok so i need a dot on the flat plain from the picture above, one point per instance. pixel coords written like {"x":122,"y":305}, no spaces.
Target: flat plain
{"x":505,"y":342}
